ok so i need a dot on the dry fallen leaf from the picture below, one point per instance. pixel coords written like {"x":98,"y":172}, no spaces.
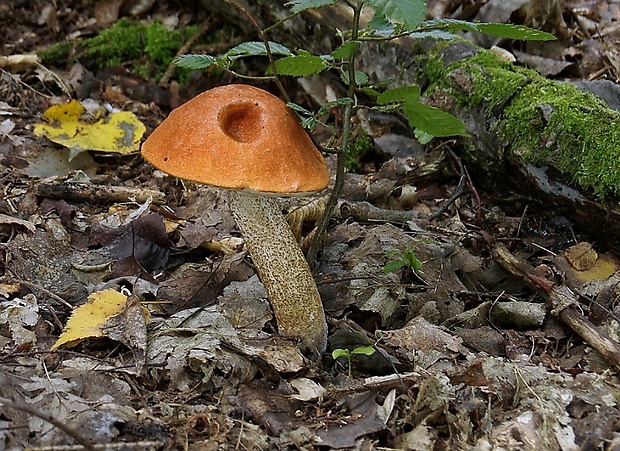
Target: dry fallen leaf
{"x":100,"y":318}
{"x":119,"y":132}
{"x":581,"y":256}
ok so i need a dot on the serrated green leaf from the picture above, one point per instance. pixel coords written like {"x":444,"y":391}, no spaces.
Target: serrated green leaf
{"x":401,"y":94}
{"x":194,"y":62}
{"x":300,"y":65}
{"x":346,"y":50}
{"x":408,"y":12}
{"x":502,"y":30}
{"x":256,"y":48}
{"x":433,"y":121}
{"x":301,"y":5}
{"x":364,"y":350}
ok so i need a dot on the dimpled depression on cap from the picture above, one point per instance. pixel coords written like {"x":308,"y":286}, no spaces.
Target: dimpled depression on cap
{"x":242,"y":121}
{"x":237,"y":136}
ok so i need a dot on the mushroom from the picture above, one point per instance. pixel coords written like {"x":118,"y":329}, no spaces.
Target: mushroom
{"x":248,"y":141}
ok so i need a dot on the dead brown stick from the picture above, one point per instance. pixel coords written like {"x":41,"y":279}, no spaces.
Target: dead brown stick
{"x":205,"y":27}
{"x":562,"y":301}
{"x":399,"y":381}
{"x":97,"y":194}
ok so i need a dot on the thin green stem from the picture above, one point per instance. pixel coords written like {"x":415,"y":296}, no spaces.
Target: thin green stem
{"x":263,"y":37}
{"x":280,"y":22}
{"x":317,"y":239}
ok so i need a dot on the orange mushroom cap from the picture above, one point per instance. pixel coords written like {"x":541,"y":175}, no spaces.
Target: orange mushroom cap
{"x":237,"y":136}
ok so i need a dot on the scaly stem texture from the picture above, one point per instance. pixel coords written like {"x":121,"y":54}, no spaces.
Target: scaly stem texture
{"x":282,"y":268}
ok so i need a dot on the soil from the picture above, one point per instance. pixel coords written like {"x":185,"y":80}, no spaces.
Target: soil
{"x":459,"y":317}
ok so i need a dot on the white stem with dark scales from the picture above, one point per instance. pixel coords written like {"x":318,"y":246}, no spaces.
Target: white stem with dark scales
{"x":282,"y":268}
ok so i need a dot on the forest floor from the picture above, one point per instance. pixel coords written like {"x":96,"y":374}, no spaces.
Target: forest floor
{"x":471,"y":348}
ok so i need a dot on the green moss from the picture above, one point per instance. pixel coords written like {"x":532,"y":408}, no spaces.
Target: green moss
{"x":545,"y":122}
{"x":55,"y":53}
{"x":122,"y":42}
{"x":358,"y":147}
{"x":149,"y":49}
{"x":581,"y":137}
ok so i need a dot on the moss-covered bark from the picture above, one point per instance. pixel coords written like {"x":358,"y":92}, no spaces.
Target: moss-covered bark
{"x":528,"y":119}
{"x":545,"y":122}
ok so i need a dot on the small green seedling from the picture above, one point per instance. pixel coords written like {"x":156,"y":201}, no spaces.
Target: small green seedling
{"x":407,"y":259}
{"x":344,"y":352}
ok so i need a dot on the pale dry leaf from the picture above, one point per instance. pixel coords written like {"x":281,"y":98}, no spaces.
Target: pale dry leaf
{"x":581,"y":256}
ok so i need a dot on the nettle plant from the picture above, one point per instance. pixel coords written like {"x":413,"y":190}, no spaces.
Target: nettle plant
{"x":392,"y":19}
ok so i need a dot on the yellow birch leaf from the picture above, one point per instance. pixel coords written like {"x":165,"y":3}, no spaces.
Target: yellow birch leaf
{"x":117,"y":132}
{"x":88,"y":320}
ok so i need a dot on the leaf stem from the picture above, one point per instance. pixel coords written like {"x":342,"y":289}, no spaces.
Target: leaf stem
{"x":263,"y":37}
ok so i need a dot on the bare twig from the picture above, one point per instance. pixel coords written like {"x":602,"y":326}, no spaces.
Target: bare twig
{"x":54,"y":296}
{"x":204,"y":28}
{"x":50,"y":419}
{"x":376,"y":383}
{"x":263,"y":37}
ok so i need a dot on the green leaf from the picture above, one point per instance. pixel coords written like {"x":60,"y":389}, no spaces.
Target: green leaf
{"x":379,"y":24}
{"x":194,"y":62}
{"x":346,"y":50}
{"x":310,"y":123}
{"x":401,"y":94}
{"x":300,"y":109}
{"x":372,"y":92}
{"x":411,"y":260}
{"x":392,"y":266}
{"x":510,"y":31}
{"x":502,"y":30}
{"x":408,"y":12}
{"x":300,"y":65}
{"x":364,"y":350}
{"x":256,"y":48}
{"x":422,"y":137}
{"x":301,"y":5}
{"x":341,"y":353}
{"x":309,"y":120}
{"x":361,"y":78}
{"x":433,"y":121}
{"x":433,"y":34}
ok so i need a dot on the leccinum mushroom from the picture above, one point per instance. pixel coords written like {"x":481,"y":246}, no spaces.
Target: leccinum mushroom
{"x":247,"y":140}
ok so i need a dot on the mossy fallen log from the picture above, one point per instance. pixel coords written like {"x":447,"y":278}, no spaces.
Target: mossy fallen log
{"x":543,"y":141}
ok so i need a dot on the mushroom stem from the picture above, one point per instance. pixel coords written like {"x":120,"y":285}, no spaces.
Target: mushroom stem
{"x":282,"y":268}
